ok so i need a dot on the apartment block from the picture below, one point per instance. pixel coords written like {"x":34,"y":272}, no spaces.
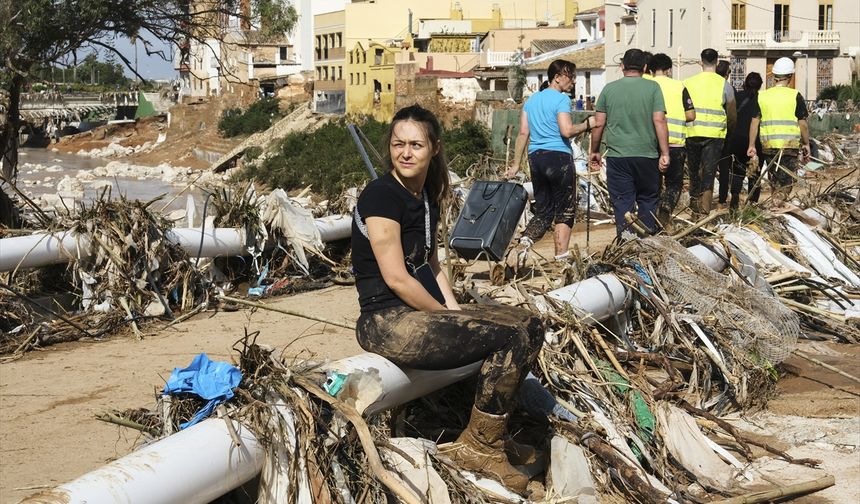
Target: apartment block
{"x":822,"y":36}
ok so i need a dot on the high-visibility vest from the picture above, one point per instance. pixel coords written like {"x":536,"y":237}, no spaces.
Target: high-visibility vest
{"x":673,"y":96}
{"x":706,"y":90}
{"x":779,"y":128}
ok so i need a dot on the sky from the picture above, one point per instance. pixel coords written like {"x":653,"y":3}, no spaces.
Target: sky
{"x":150,"y":67}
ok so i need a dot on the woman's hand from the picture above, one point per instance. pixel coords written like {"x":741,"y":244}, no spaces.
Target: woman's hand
{"x":444,"y":284}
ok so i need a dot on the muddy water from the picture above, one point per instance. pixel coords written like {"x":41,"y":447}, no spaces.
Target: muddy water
{"x":41,"y":170}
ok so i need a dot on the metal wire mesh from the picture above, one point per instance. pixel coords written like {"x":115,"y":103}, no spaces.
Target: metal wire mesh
{"x":755,"y":321}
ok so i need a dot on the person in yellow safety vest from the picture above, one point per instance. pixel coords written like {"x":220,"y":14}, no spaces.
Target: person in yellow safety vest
{"x":679,"y":111}
{"x":781,"y":122}
{"x":715,"y":116}
{"x":646,"y":73}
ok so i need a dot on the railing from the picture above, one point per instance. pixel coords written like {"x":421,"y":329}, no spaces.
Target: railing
{"x":824,"y":37}
{"x":497,"y":58}
{"x":779,"y":39}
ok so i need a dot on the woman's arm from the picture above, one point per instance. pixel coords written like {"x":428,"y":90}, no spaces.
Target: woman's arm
{"x":444,"y":284}
{"x":384,"y":236}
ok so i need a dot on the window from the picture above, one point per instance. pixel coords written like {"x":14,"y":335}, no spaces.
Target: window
{"x":618,"y":32}
{"x":825,"y":16}
{"x":364,"y":77}
{"x":780,"y":22}
{"x":653,"y":27}
{"x":340,"y":73}
{"x":739,"y":16}
{"x":351,"y":80}
{"x":825,"y":73}
{"x":377,"y":60}
{"x":671,"y":28}
{"x":350,"y":58}
{"x":283,"y":54}
{"x":738,"y":69}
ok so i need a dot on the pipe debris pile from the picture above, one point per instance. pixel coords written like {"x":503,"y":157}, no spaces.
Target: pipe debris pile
{"x":129,"y":264}
{"x":626,"y":406}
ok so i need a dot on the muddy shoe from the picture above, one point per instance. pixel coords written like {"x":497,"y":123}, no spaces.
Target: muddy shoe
{"x":522,"y":454}
{"x":481,"y":448}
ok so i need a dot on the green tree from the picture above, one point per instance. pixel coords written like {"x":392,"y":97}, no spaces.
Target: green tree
{"x":40,"y":33}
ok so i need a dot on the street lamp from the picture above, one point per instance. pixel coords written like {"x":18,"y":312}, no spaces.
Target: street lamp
{"x":798,"y":54}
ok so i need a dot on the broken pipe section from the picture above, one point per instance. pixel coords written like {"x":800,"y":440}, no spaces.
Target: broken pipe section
{"x":43,"y":249}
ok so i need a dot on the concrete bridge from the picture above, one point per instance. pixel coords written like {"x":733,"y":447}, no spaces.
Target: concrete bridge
{"x":38,"y":107}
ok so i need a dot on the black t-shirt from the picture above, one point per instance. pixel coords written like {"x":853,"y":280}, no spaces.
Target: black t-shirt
{"x":688,"y":102}
{"x":747,"y":109}
{"x":385,"y":197}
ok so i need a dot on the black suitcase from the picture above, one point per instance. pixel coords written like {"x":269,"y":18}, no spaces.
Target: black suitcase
{"x":488,"y":219}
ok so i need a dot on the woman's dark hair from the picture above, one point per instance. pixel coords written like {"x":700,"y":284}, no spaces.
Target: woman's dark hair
{"x":723,"y":69}
{"x":752,"y":82}
{"x":562,"y":67}
{"x":437,"y":182}
{"x":543,"y":85}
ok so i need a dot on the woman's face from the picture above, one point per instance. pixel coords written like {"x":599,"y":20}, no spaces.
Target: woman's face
{"x":411,"y":150}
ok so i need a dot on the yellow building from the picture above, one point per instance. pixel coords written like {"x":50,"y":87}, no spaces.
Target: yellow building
{"x":379,"y":36}
{"x":370,"y":79}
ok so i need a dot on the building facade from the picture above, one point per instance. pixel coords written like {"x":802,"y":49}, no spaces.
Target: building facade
{"x":329,"y":62}
{"x":235,"y":56}
{"x":822,"y":36}
{"x":437,"y":36}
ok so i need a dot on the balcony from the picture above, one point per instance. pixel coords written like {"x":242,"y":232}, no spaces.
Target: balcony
{"x":782,"y":40}
{"x":497,"y":58}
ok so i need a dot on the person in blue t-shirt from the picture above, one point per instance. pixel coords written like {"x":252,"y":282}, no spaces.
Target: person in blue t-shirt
{"x":546,"y":127}
{"x":580,"y":103}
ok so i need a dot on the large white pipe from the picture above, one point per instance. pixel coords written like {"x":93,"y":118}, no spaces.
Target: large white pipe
{"x":384,"y":385}
{"x":194,"y":464}
{"x":43,"y":249}
{"x":599,"y":297}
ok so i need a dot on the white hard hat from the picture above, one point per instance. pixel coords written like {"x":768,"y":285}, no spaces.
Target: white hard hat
{"x":783,"y":66}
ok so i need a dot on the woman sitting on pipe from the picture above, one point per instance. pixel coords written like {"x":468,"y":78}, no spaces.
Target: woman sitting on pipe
{"x":408,"y":311}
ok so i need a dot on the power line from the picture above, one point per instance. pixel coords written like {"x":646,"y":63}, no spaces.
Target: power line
{"x":743,"y":2}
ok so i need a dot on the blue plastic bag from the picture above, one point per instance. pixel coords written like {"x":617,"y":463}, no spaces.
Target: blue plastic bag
{"x":210,"y":380}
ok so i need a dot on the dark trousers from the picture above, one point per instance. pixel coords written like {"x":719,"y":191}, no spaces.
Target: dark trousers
{"x":724,"y":165}
{"x":633,"y":182}
{"x":739,"y":173}
{"x":777,"y":172}
{"x":703,"y":155}
{"x":554,"y":184}
{"x":506,"y":338}
{"x":673,"y":179}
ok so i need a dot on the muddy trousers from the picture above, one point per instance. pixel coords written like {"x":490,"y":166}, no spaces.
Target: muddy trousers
{"x":673,"y":179}
{"x":506,"y":338}
{"x":703,"y":156}
{"x":554,"y":184}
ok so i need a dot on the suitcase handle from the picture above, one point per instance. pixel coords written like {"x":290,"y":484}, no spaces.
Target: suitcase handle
{"x":493,"y":192}
{"x":463,"y":239}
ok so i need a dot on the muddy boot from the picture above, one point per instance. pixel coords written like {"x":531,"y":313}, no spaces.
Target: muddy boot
{"x":706,"y":203}
{"x":481,"y":448}
{"x":522,"y":454}
{"x":734,"y":203}
{"x":664,"y":217}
